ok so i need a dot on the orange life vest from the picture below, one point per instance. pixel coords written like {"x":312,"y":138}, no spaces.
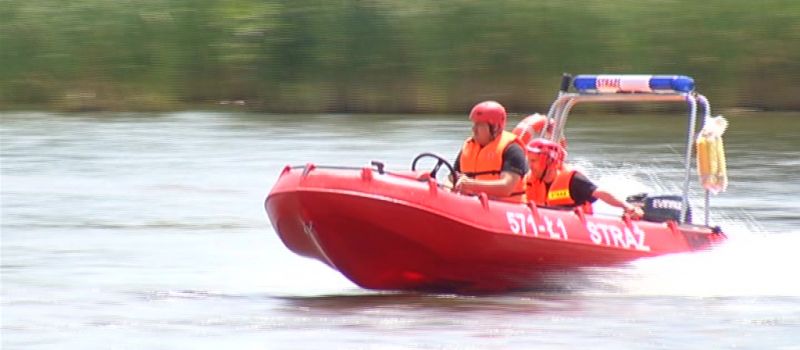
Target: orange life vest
{"x":558,"y":194}
{"x":486,"y":163}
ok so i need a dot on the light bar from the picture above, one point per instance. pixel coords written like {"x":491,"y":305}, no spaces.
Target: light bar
{"x":630,"y":83}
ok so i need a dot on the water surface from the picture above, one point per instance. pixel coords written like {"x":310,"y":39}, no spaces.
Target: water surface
{"x":147,"y":231}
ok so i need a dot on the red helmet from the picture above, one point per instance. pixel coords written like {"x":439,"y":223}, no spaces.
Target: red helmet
{"x":490,"y":112}
{"x":545,"y":152}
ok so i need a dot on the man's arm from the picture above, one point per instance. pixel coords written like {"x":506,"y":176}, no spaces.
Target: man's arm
{"x":448,"y":183}
{"x":502,"y":187}
{"x":605,"y":196}
{"x":582,"y":189}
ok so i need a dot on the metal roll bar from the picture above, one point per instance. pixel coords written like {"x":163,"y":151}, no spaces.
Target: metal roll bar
{"x":565,"y":101}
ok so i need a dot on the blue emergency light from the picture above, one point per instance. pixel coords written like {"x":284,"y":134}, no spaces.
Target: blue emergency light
{"x":633,"y":83}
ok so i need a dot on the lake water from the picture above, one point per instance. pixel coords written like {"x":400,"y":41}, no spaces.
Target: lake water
{"x":147,"y":231}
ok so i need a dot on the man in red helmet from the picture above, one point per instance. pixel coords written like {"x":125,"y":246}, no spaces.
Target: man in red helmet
{"x":492,"y":160}
{"x":552,"y":183}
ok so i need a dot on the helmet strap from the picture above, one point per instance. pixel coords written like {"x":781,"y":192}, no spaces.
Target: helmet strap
{"x":494,"y":130}
{"x":543,"y":165}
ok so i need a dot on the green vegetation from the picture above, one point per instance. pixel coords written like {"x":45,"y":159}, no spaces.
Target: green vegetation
{"x":382,"y":55}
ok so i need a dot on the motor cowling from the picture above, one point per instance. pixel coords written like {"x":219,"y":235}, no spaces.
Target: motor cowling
{"x":660,"y":208}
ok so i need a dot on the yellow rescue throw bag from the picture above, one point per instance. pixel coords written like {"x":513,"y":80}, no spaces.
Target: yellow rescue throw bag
{"x":711,"y":155}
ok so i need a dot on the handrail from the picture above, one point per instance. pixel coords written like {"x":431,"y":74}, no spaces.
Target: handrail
{"x":692,"y":100}
{"x":561,"y":107}
{"x":706,"y":115}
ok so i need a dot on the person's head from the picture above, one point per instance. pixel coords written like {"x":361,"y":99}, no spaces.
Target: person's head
{"x":488,"y":121}
{"x":545,"y":157}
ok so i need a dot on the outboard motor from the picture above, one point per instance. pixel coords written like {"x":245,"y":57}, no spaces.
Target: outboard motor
{"x":660,"y":208}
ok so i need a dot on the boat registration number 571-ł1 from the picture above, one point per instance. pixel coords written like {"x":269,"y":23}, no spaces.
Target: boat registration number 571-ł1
{"x":522,"y":224}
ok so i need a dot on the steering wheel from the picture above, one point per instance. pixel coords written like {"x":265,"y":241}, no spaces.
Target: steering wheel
{"x":439,"y":162}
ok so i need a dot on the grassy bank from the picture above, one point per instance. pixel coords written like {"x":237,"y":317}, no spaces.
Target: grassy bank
{"x":384,"y":56}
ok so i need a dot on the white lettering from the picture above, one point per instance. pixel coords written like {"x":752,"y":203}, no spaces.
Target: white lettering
{"x":533,"y":226}
{"x":611,"y":235}
{"x":521,"y":224}
{"x":594,"y":235}
{"x":521,"y":220}
{"x":549,"y":225}
{"x":617,"y":236}
{"x":629,"y":239}
{"x":562,"y":227}
{"x":666,"y":204}
{"x":641,"y":234}
{"x":512,"y":222}
{"x":604,"y":228}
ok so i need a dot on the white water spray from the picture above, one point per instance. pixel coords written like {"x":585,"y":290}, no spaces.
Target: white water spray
{"x":752,"y":262}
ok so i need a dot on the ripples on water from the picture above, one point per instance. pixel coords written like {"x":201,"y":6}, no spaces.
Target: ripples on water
{"x":148,"y":231}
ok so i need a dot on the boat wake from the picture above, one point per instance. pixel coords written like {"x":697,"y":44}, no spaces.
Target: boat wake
{"x":748,"y":264}
{"x":752,"y":262}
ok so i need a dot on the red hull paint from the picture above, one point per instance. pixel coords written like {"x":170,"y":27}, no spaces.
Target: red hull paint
{"x":391,"y":232}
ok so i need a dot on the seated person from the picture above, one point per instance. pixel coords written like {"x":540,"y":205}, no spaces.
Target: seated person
{"x":492,"y":160}
{"x":552,"y":183}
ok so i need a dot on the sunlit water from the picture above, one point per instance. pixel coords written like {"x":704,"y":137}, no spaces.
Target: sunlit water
{"x":132,"y":231}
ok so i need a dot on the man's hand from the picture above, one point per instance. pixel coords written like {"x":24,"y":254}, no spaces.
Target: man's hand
{"x":634,"y":212}
{"x":464,"y":184}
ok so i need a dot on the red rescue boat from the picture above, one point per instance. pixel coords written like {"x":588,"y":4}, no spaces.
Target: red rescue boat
{"x":403,"y":230}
